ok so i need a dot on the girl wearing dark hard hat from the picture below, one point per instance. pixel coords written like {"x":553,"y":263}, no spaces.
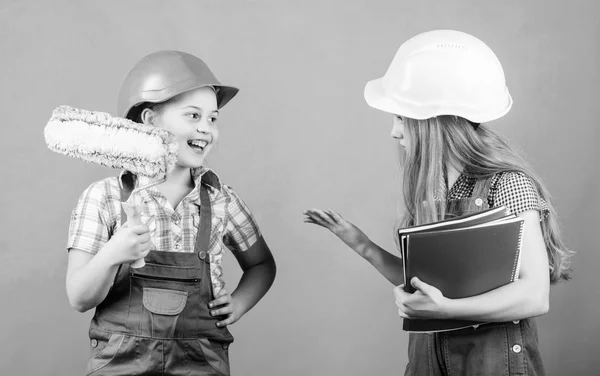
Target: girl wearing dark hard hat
{"x":441,"y":87}
{"x":171,"y":316}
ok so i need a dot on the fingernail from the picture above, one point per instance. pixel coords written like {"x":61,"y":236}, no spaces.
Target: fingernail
{"x":218,"y":324}
{"x":210,"y":305}
{"x":212,"y":313}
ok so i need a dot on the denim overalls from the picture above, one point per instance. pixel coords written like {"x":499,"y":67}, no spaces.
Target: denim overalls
{"x":507,"y":348}
{"x":155,"y":320}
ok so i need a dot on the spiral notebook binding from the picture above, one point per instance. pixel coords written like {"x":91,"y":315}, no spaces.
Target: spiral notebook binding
{"x":517,"y":264}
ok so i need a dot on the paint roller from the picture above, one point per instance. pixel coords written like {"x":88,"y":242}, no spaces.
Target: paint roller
{"x":98,"y":137}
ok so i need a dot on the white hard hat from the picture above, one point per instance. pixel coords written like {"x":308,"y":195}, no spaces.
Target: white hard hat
{"x":442,"y":72}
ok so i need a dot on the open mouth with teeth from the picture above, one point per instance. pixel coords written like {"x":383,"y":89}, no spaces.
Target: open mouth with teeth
{"x":197,"y":145}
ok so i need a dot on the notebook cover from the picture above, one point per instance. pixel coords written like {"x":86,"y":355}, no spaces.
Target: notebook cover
{"x":477,"y":218}
{"x":462,"y":263}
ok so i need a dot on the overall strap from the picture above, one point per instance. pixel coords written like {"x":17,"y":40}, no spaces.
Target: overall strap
{"x":482,"y":188}
{"x":127,"y":181}
{"x":203,"y":237}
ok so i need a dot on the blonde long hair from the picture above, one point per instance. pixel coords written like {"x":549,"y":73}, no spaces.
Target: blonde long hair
{"x":480,"y":153}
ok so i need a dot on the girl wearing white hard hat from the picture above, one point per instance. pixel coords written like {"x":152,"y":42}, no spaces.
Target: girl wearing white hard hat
{"x":440,"y":87}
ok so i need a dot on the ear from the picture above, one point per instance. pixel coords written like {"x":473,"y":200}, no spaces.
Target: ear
{"x":148,"y":116}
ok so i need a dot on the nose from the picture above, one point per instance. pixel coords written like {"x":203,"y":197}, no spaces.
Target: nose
{"x":204,"y":127}
{"x":397,"y":131}
{"x":204,"y":133}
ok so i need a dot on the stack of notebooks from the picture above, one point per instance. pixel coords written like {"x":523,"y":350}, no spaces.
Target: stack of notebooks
{"x":462,"y":257}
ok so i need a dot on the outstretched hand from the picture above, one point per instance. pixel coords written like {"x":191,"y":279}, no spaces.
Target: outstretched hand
{"x":427,"y":302}
{"x":334,"y":222}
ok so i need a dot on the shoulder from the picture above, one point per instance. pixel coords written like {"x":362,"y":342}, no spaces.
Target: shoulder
{"x":93,"y":219}
{"x":235,"y":204}
{"x":517,"y":191}
{"x":218,"y":189}
{"x":103,"y":190}
{"x":228,"y":190}
{"x":101,"y":199}
{"x":223,"y":195}
{"x":237,"y":210}
{"x":513,"y":181}
{"x":230,"y":193}
{"x":242,"y":228}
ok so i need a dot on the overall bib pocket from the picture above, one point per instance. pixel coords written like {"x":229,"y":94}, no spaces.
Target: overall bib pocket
{"x":162,"y":310}
{"x":160,"y":304}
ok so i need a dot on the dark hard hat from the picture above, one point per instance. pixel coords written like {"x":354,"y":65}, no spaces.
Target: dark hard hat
{"x":162,"y":75}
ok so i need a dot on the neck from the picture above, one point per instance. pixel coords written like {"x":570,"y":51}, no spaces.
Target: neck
{"x":453,"y":174}
{"x":180,"y":177}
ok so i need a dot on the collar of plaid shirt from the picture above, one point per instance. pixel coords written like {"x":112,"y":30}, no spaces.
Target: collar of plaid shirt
{"x":199,"y":175}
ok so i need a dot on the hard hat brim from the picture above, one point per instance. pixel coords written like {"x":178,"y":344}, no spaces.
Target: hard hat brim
{"x":376,"y":97}
{"x":224,"y":94}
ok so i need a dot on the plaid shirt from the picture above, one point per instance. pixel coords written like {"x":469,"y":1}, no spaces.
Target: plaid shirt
{"x":97,"y":217}
{"x":515,"y":190}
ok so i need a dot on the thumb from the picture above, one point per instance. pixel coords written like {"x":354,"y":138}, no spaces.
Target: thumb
{"x":421,"y":286}
{"x":133,"y":213}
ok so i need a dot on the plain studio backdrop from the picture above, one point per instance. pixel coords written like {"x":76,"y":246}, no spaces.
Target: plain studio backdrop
{"x":298,"y":135}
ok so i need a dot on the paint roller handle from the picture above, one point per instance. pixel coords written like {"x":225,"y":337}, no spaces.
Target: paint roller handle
{"x":134,"y":218}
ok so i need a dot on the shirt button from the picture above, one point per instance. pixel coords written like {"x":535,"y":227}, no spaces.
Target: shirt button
{"x":94,"y":342}
{"x":177,"y":246}
{"x":516,"y":349}
{"x":478,"y":202}
{"x":202,"y":255}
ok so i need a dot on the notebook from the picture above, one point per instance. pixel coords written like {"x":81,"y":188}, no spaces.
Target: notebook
{"x":468,"y":220}
{"x":462,"y":257}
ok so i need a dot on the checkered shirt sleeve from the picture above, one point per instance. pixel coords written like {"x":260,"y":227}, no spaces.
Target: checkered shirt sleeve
{"x":518,"y":193}
{"x":90,"y":226}
{"x":242,"y":230}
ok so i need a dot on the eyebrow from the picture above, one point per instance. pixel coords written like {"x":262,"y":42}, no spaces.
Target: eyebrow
{"x":198,"y":108}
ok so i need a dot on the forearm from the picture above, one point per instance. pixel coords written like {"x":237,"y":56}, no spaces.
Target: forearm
{"x":518,"y":300}
{"x":254,"y":284}
{"x":388,"y":265}
{"x":88,"y":286}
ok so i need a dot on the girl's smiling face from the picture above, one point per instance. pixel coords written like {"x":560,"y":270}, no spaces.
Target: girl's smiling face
{"x":398,"y":131}
{"x":192,"y":118}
